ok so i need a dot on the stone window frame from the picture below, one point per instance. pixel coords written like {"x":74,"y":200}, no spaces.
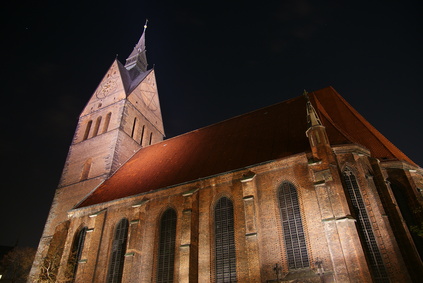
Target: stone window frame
{"x":365,"y":229}
{"x":305,"y":259}
{"x":166,"y":258}
{"x":232,"y":273}
{"x":76,"y":252}
{"x":117,"y":252}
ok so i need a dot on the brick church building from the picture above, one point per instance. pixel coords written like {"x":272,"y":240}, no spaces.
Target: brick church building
{"x":302,"y":191}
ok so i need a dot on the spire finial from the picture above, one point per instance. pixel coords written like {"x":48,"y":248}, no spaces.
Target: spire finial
{"x":312,"y":117}
{"x":305,"y":93}
{"x":137,"y":59}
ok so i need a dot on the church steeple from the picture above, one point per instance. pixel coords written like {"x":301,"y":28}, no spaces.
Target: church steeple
{"x":316,"y":133}
{"x":137,"y":61}
{"x":312,"y":117}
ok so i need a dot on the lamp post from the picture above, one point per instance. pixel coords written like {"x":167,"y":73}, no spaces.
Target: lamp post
{"x":277,"y":270}
{"x":320,"y":270}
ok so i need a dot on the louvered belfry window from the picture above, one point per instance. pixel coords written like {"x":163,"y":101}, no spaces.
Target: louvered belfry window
{"x":292,"y":225}
{"x":118,"y":252}
{"x":365,"y":228}
{"x":225,"y":260}
{"x":167,"y":247}
{"x":78,"y":245}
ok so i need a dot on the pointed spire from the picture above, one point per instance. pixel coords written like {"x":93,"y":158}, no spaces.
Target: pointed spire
{"x":312,"y":117}
{"x":137,"y":59}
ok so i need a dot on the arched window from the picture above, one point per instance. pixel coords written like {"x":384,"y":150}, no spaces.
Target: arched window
{"x":365,"y":229}
{"x":134,"y":127}
{"x":107,"y":122}
{"x":118,"y":252}
{"x":97,"y":126}
{"x":86,"y":169}
{"x":292,"y":225}
{"x":167,"y":247}
{"x":225,"y":259}
{"x":87,"y":129}
{"x":75,"y":256}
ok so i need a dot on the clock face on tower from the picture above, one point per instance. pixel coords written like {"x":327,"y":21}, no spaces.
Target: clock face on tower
{"x":106,"y":88}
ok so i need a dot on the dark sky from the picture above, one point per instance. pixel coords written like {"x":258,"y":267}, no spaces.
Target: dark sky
{"x":213,"y":60}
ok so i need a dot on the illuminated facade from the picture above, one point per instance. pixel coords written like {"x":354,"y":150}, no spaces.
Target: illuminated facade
{"x":303,"y":190}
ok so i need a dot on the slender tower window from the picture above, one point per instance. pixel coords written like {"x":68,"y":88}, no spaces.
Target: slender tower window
{"x":134,"y":127}
{"x":86,"y":169}
{"x":167,"y":247}
{"x":365,"y":228}
{"x":118,"y":252}
{"x":225,"y":259}
{"x":97,"y":126}
{"x":75,"y":256}
{"x":151,"y":138}
{"x":294,"y":237}
{"x":87,"y":129}
{"x":107,"y":122}
{"x":142,"y":134}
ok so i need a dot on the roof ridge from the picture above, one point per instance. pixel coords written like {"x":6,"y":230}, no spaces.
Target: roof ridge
{"x":237,"y":116}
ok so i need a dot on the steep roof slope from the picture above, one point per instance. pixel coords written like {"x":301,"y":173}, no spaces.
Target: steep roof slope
{"x":263,"y":135}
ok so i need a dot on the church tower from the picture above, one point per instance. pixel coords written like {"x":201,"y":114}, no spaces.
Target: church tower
{"x":121,"y":117}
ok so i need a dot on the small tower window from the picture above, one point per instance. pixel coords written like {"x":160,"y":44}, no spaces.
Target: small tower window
{"x":134,"y":127}
{"x":142,"y":134}
{"x":97,"y":126}
{"x":151,"y":138}
{"x":225,"y":259}
{"x":292,"y":225}
{"x":86,"y":170}
{"x":167,"y":247}
{"x":118,"y":252}
{"x":87,"y":129}
{"x":107,"y":122}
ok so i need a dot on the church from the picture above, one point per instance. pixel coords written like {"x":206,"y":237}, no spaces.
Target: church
{"x":305,"y":190}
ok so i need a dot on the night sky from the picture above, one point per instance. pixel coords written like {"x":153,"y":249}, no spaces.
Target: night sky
{"x":213,"y":60}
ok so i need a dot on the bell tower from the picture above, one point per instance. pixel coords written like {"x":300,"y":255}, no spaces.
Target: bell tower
{"x":122,"y":116}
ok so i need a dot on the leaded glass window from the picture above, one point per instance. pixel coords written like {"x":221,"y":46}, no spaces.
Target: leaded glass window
{"x":292,"y":225}
{"x":167,"y":247}
{"x":118,"y":252}
{"x":75,"y":256}
{"x":225,"y":260}
{"x":365,"y":229}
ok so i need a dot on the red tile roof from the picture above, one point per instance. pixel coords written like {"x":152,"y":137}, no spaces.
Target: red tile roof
{"x":263,"y":135}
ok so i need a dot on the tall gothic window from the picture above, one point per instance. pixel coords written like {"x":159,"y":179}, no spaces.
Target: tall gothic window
{"x":365,"y":230}
{"x":407,"y":213}
{"x":75,"y":256}
{"x":97,"y":126}
{"x":292,"y":225}
{"x":225,"y":260}
{"x":87,"y":129}
{"x":107,"y":122}
{"x":118,"y":252}
{"x":167,"y":247}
